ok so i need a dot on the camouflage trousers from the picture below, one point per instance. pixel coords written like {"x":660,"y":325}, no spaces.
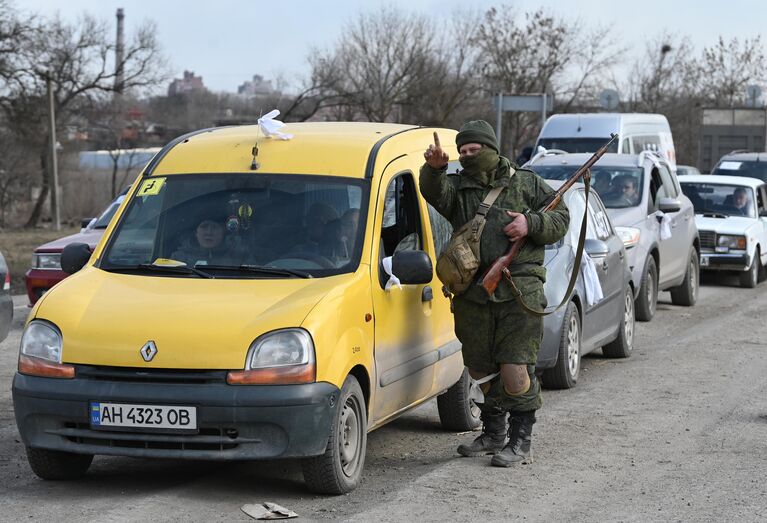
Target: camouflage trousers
{"x":493,"y":333}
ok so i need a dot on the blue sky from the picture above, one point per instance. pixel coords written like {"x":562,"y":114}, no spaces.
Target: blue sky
{"x":227,"y":41}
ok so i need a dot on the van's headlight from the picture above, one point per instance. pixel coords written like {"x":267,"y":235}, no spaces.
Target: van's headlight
{"x":40,"y":353}
{"x":47,"y":261}
{"x":629,"y":236}
{"x":283,"y":356}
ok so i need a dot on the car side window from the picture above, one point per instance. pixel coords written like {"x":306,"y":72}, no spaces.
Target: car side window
{"x":598,"y":215}
{"x":761,"y":201}
{"x":441,"y":230}
{"x":668,"y":182}
{"x":401,"y":228}
{"x":576,"y":205}
{"x":656,"y":191}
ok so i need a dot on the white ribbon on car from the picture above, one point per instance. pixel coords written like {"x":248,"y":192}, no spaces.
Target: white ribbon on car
{"x":393,"y":280}
{"x":665,"y":225}
{"x":271,"y":127}
{"x":591,"y":283}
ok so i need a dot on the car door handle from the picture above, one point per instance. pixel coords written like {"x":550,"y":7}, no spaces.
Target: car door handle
{"x":621,"y":255}
{"x":604,"y":265}
{"x":427,"y":294}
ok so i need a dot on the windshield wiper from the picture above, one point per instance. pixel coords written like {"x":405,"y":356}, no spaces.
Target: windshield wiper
{"x":173,"y":269}
{"x":713,"y":214}
{"x":262,"y":269}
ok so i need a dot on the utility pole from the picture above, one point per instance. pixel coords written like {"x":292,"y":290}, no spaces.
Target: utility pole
{"x":119,"y":54}
{"x":54,"y":164}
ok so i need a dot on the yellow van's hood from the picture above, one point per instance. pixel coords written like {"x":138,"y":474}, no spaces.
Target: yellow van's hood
{"x":106,"y":318}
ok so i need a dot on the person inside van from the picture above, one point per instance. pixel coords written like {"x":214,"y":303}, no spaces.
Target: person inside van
{"x":601,"y":183}
{"x":207,"y":246}
{"x":623,"y":191}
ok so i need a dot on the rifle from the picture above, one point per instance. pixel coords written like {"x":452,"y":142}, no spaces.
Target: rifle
{"x":500,"y":267}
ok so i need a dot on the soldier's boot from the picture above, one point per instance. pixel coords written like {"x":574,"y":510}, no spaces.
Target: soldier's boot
{"x":492,"y":438}
{"x":518,"y":451}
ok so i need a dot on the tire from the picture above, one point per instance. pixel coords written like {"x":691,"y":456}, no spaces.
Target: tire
{"x":565,"y":373}
{"x":687,"y":293}
{"x":339,"y":469}
{"x":622,"y":346}
{"x":457,"y":411}
{"x":762,"y":269}
{"x":58,"y":465}
{"x":647,"y":301}
{"x":750,"y":278}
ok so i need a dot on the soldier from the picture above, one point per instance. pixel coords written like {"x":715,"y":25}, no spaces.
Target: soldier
{"x":496,"y":334}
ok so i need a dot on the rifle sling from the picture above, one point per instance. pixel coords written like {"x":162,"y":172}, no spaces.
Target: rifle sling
{"x":576,"y":265}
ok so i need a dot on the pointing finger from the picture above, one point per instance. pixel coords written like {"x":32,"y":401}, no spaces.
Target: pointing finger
{"x":436,"y":139}
{"x":513,"y":214}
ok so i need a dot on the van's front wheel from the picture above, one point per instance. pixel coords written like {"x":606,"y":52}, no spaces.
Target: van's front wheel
{"x":58,"y":465}
{"x":339,"y":469}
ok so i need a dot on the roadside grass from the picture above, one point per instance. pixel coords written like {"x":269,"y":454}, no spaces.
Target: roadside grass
{"x":17,"y":246}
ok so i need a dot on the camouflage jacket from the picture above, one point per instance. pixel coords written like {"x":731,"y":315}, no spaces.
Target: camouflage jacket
{"x":457,"y":198}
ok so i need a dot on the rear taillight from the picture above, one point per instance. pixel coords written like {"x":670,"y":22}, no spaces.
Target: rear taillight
{"x":7,"y":284}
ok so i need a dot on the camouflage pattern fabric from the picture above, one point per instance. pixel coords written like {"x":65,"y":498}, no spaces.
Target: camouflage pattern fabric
{"x":457,"y":198}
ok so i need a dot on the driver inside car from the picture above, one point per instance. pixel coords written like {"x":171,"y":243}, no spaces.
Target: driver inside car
{"x":207,"y":246}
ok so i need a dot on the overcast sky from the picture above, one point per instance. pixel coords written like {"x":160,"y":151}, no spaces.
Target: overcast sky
{"x":227,"y":41}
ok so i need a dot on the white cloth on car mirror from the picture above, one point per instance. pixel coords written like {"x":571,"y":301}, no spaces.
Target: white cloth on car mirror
{"x":665,"y":225}
{"x":591,"y":283}
{"x":393,"y":280}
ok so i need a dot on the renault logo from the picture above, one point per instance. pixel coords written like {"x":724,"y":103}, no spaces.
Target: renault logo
{"x":148,"y":351}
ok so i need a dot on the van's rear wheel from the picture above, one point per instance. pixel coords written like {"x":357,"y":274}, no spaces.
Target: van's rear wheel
{"x":647,"y":300}
{"x":687,"y":293}
{"x":457,"y":408}
{"x":339,"y":469}
{"x":58,"y":465}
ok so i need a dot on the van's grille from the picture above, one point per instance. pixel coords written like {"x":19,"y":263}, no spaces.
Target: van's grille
{"x":207,"y":439}
{"x":185,"y":377}
{"x":707,"y":239}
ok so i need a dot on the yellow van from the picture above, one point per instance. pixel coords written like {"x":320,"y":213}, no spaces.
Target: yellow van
{"x":253,"y":298}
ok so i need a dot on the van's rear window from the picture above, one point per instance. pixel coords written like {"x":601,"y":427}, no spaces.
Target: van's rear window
{"x":313,"y":225}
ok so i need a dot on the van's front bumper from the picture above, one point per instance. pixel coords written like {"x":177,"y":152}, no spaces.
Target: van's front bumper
{"x":234,"y":421}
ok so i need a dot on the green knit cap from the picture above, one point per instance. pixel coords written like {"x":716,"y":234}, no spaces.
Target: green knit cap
{"x":477,"y":131}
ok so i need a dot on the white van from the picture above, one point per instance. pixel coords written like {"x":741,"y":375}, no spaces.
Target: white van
{"x":585,"y":133}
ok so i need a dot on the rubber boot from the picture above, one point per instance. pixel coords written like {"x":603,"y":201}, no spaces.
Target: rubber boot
{"x":518,"y":451}
{"x":492,"y":438}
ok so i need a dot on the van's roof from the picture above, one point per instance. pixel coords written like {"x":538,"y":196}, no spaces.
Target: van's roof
{"x":326,"y":148}
{"x":609,"y":159}
{"x":596,"y":125}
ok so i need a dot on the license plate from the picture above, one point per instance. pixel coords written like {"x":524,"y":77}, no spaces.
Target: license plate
{"x":704,"y":262}
{"x":163,"y":417}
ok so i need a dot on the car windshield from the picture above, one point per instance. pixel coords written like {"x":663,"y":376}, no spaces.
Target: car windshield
{"x":103,"y":221}
{"x":735,"y":168}
{"x":578,"y":145}
{"x":241,"y":226}
{"x":618,"y":187}
{"x":720,"y":199}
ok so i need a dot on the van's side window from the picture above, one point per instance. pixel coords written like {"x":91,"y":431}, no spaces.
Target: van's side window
{"x":441,"y":230}
{"x":401,"y":228}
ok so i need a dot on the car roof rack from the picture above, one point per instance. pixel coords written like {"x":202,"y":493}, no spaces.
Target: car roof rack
{"x":655,"y":156}
{"x":543,"y":152}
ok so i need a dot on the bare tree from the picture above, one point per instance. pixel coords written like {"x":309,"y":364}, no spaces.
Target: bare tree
{"x":728,"y":67}
{"x":377,"y":62}
{"x":15,"y":167}
{"x":77,"y":58}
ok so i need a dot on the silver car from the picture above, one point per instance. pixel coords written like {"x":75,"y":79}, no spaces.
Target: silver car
{"x":651,"y":214}
{"x":584,"y":324}
{"x":6,"y":303}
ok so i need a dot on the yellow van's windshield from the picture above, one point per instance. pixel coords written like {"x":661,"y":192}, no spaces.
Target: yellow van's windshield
{"x":241,"y":226}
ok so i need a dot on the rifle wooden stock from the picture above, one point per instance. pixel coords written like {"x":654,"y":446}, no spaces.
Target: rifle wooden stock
{"x":496,"y":271}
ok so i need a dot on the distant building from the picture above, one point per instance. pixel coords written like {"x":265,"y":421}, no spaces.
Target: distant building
{"x":256,"y":87}
{"x":187,"y":84}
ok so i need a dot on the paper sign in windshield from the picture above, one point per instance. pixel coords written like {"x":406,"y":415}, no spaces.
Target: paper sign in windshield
{"x":151,"y":187}
{"x":730,"y":166}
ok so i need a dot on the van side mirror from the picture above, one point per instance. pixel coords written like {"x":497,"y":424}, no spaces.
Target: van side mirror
{"x":412,"y":267}
{"x":596,"y":248}
{"x":669,"y":205}
{"x":74,"y":257}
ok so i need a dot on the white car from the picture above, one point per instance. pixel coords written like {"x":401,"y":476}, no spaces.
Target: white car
{"x":731,"y":214}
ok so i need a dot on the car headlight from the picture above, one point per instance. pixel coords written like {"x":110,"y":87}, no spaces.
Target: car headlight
{"x":283,"y":356}
{"x":41,"y":340}
{"x":40,"y":353}
{"x":725,"y":241}
{"x":47,"y":261}
{"x":629,"y":236}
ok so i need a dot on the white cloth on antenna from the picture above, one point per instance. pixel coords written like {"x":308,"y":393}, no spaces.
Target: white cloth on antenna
{"x":591,"y":283}
{"x":270,"y":127}
{"x":665,"y":225}
{"x":393,"y":280}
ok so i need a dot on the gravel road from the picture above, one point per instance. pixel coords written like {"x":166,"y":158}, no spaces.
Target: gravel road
{"x":677,"y":432}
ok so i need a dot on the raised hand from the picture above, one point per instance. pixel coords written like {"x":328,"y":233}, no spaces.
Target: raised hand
{"x":434,"y":155}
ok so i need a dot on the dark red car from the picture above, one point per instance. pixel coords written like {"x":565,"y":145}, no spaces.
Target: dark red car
{"x":46,"y":260}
